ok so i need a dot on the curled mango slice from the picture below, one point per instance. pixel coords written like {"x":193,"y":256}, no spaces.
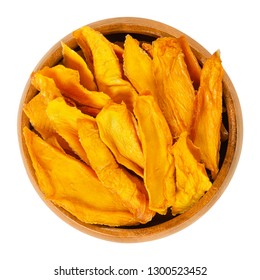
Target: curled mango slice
{"x":84,"y":48}
{"x":128,"y":188}
{"x":45,"y":85}
{"x":118,"y":130}
{"x":138,"y":66}
{"x":64,"y":119}
{"x":191,"y":177}
{"x":208,"y":113}
{"x":156,"y":142}
{"x":73,"y":60}
{"x":68,"y":81}
{"x":174,"y":87}
{"x":35,"y":109}
{"x":74,"y":186}
{"x":107,"y":70}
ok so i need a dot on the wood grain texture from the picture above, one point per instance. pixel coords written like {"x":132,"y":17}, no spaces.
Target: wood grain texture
{"x":161,"y":226}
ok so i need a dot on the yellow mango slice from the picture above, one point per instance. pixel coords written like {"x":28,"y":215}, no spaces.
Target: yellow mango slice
{"x":107,"y":70}
{"x":118,"y":130}
{"x":156,"y":142}
{"x":174,"y":87}
{"x":208,"y":113}
{"x":73,"y":60}
{"x":68,"y":81}
{"x":77,"y":34}
{"x":128,"y":188}
{"x":64,"y":119}
{"x":74,"y":186}
{"x":35,"y":109}
{"x":45,"y":85}
{"x":84,"y":48}
{"x":138,"y":66}
{"x":191,"y":177}
{"x":191,"y":61}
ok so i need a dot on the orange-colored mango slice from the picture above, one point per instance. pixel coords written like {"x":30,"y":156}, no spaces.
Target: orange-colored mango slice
{"x":174,"y":87}
{"x":191,"y":177}
{"x":208,"y":113}
{"x":73,"y":60}
{"x":118,"y":130}
{"x":128,"y":188}
{"x":64,"y":119}
{"x":156,"y":142}
{"x":138,"y":66}
{"x":107,"y":69}
{"x":68,"y":81}
{"x":74,"y":186}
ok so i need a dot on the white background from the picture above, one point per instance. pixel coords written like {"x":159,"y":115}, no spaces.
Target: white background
{"x":34,"y":241}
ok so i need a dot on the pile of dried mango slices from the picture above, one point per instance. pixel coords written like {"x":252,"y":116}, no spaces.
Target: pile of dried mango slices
{"x":120,"y":133}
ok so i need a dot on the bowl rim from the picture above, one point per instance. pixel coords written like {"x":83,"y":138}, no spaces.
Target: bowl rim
{"x":154,"y":29}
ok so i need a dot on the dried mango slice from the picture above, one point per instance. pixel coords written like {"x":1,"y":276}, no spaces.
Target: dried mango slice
{"x":174,"y":87}
{"x":73,"y":60}
{"x":64,"y":119}
{"x":74,"y":186}
{"x":191,"y":61}
{"x":128,"y":188}
{"x":36,"y":112}
{"x":45,"y":85}
{"x":191,"y":177}
{"x":107,"y":70}
{"x":87,"y":52}
{"x":138,"y":66}
{"x":208,"y":113}
{"x":85,"y":48}
{"x":68,"y":81}
{"x":35,"y":109}
{"x":156,"y":142}
{"x":118,"y":130}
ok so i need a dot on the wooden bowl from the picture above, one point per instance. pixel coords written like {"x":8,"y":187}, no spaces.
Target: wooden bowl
{"x":147,"y":30}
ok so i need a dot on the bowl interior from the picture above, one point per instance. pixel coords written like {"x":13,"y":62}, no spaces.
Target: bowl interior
{"x":161,"y":225}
